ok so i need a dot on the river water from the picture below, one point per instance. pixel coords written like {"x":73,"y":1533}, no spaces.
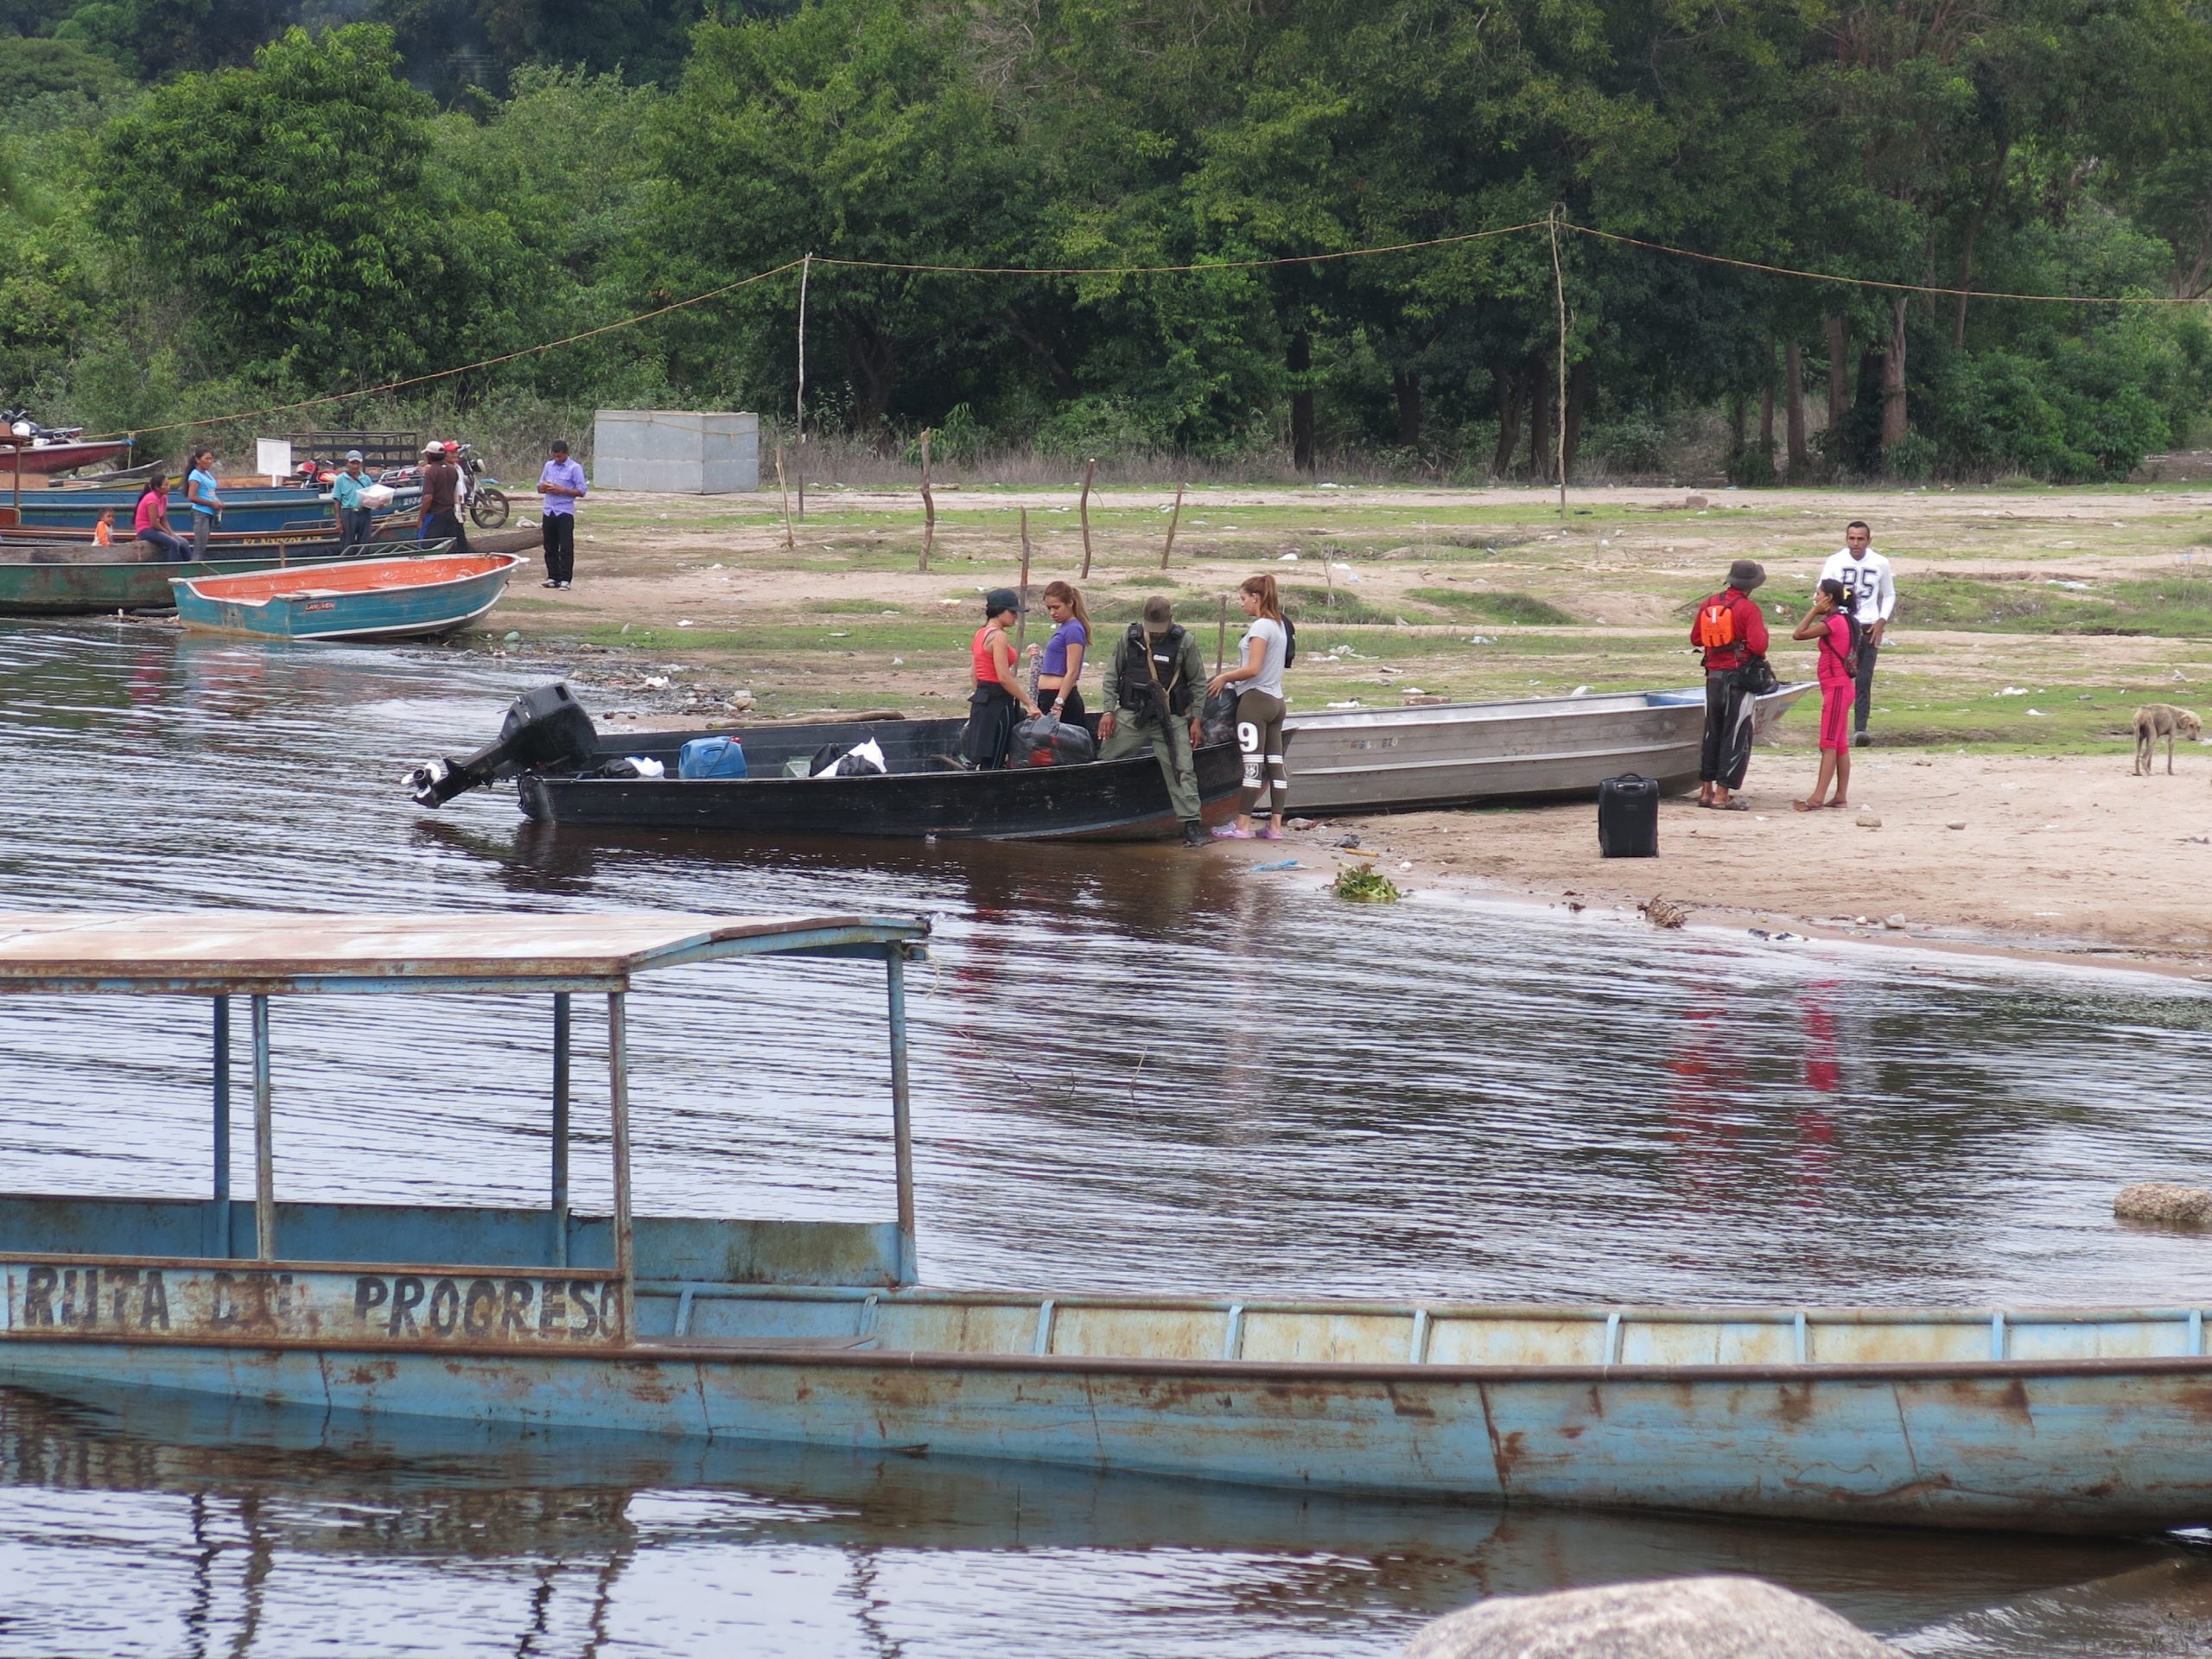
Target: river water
{"x":1136,"y":1069}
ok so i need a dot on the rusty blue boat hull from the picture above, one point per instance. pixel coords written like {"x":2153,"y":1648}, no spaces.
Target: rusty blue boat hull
{"x":2092,"y":1421}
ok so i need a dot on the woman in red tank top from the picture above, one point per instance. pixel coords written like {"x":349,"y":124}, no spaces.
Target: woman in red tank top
{"x":995,"y":693}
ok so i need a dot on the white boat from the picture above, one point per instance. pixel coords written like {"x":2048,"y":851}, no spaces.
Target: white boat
{"x":1354,"y":760}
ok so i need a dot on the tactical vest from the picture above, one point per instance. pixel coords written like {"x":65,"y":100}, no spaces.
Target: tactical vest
{"x":1167,"y":653}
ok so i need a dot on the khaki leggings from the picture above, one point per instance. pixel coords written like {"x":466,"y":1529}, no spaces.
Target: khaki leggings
{"x":1259,"y":739}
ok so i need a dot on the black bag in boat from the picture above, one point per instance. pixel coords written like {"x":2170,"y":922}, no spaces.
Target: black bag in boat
{"x":1628,"y":817}
{"x":1217,"y":717}
{"x":1050,"y":742}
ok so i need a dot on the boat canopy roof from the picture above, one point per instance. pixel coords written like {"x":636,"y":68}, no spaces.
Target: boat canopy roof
{"x":216,"y":952}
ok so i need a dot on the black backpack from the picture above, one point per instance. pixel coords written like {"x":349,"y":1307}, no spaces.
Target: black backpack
{"x":1289,"y":642}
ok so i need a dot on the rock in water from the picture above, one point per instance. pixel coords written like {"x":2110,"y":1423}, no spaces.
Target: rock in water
{"x":2169,"y":1203}
{"x":1663,"y":912}
{"x":1673,"y":1619}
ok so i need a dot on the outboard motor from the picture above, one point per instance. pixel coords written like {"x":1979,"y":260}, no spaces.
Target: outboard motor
{"x":545,"y":730}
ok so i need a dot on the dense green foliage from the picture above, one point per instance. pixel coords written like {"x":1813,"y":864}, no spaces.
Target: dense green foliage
{"x":209,"y":204}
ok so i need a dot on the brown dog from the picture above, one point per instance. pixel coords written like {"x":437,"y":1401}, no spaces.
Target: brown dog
{"x":2154,"y":721}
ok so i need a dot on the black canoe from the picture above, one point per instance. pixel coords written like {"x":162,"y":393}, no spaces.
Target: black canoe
{"x":923,"y":794}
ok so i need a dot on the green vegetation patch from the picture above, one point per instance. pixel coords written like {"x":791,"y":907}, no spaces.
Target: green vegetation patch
{"x":1525,"y":610}
{"x":2173,"y":606}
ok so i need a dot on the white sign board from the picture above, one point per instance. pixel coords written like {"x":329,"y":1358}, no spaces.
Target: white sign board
{"x":274,"y":457}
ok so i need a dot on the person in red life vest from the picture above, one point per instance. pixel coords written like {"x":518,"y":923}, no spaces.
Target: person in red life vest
{"x":1731,"y":633}
{"x":997,"y":691}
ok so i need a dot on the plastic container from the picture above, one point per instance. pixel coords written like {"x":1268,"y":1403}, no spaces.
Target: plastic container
{"x":711,"y":757}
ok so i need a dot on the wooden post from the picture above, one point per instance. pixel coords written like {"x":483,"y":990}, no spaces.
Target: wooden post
{"x":929,"y":505}
{"x":1221,"y":637}
{"x":1021,"y":628}
{"x":791,"y":543}
{"x":798,"y":457}
{"x":1169,"y":551}
{"x":1559,"y":287}
{"x":1089,"y":467}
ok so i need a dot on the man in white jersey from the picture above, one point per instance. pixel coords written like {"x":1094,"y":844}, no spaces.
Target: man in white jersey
{"x":1866,"y":574}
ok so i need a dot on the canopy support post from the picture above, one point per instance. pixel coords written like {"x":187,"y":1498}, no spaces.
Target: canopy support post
{"x":618,"y":1089}
{"x":902,"y":1124}
{"x":264,"y":1139}
{"x":215,"y":1232}
{"x":561,"y":1020}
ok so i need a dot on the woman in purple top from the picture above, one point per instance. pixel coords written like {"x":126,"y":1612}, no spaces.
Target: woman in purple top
{"x":1061,"y":663}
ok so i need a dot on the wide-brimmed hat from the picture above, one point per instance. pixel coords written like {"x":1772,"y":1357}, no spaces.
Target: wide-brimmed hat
{"x":1159,"y":614}
{"x":1744,"y":576}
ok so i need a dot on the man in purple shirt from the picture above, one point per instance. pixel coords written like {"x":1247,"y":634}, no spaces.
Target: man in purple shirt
{"x":560,"y":486}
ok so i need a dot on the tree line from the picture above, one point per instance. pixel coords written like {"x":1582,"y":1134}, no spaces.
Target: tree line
{"x":211,"y":204}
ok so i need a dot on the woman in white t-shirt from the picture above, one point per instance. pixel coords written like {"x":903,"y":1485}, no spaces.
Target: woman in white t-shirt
{"x":1262,"y":655}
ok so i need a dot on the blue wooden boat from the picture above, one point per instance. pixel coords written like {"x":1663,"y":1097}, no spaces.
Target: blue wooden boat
{"x":255,"y":511}
{"x":2085,"y":1420}
{"x":406,"y":598}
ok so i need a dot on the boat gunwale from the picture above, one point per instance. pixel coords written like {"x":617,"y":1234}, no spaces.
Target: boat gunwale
{"x":1449,"y":713}
{"x":772,"y":1351}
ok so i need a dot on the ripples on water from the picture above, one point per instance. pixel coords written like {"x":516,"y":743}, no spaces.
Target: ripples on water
{"x":1136,"y":1069}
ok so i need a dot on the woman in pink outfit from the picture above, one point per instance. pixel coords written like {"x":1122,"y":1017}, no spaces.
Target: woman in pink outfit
{"x":1833,"y":624}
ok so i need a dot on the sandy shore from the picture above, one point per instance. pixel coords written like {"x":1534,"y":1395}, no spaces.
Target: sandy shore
{"x":2053,"y":855}
{"x":696,"y":607}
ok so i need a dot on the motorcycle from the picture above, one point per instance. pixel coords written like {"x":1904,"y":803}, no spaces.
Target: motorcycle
{"x":480,"y":493}
{"x":20,"y":424}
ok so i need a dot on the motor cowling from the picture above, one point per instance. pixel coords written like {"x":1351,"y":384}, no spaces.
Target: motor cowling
{"x":544,"y":730}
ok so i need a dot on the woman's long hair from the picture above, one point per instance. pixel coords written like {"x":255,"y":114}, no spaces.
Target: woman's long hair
{"x":1846,"y":601}
{"x":1263,"y":587}
{"x":1066,"y":593}
{"x":157,"y":485}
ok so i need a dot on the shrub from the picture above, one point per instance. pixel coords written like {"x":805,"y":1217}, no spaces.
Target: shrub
{"x":1912,"y":458}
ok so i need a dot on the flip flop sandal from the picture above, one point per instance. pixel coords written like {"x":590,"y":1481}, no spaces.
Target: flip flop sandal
{"x":1806,"y":806}
{"x":1732,"y":806}
{"x":1839,"y":806}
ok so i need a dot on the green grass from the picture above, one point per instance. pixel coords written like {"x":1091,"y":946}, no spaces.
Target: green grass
{"x":1525,"y":610}
{"x":1312,"y":607}
{"x":2178,"y":606}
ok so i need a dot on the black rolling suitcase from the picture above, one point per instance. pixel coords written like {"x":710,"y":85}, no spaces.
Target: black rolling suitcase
{"x":1628,"y":817}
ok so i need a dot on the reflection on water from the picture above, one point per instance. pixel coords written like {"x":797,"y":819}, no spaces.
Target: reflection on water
{"x":305,"y":1535}
{"x":1136,"y":1069}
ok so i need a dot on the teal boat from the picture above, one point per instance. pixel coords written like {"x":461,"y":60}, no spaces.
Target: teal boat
{"x":257,"y":511}
{"x":2056,"y":1420}
{"x":81,"y":579}
{"x":411,"y":598}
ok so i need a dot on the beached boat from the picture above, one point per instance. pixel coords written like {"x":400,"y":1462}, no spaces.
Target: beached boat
{"x":408,"y":597}
{"x":2086,"y":1421}
{"x":47,"y":457}
{"x":1355,"y":760}
{"x":79,"y":578}
{"x":922,"y":792}
{"x":254,"y":511}
{"x":562,"y":769}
